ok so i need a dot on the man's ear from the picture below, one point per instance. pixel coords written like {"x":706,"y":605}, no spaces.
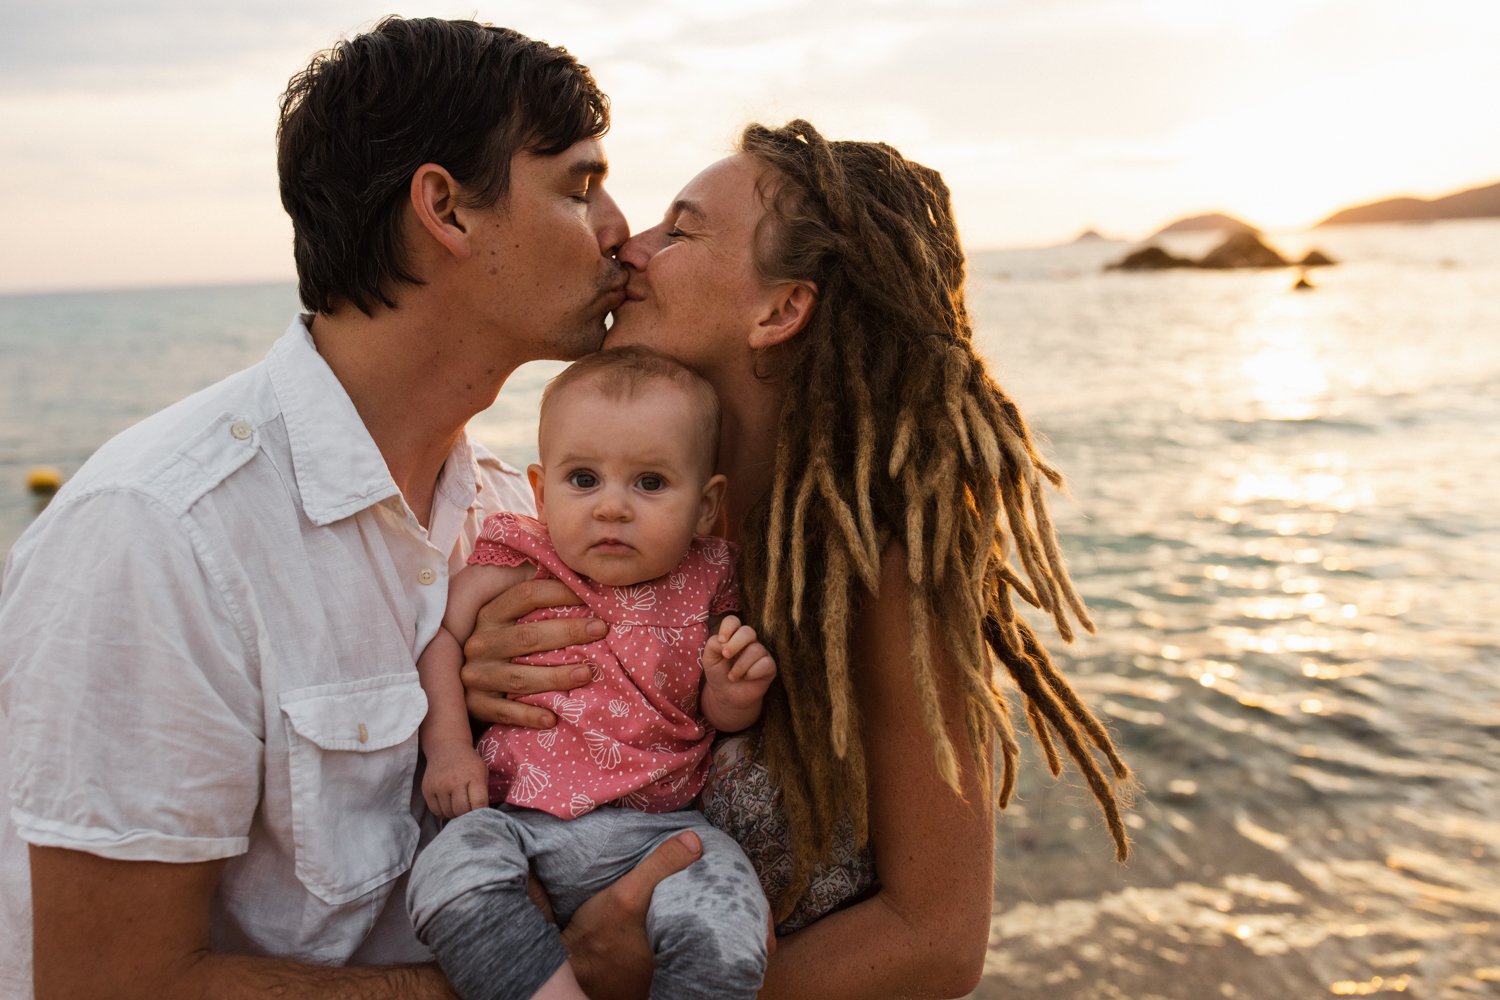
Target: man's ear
{"x":538,"y":478}
{"x":435,"y":202}
{"x":789,"y":307}
{"x":709,"y":503}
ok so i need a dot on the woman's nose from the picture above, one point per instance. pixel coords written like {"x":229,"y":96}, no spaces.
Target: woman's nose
{"x":637,"y":251}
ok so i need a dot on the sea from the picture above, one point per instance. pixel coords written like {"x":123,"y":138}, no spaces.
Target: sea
{"x":1283,"y":508}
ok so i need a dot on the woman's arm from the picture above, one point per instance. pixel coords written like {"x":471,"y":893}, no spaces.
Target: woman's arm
{"x":925,"y":932}
{"x":489,"y":675}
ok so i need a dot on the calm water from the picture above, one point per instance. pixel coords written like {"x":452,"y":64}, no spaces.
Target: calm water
{"x":1283,"y":514}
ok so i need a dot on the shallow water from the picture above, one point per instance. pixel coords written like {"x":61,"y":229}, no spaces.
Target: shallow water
{"x":1282,"y":515}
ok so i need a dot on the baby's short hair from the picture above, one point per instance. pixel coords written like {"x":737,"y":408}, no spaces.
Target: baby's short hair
{"x":622,"y":372}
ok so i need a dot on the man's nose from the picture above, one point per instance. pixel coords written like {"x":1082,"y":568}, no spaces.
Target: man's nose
{"x":609,"y":223}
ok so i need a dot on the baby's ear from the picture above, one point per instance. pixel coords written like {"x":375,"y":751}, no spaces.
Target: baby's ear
{"x":538,"y":478}
{"x":708,"y":504}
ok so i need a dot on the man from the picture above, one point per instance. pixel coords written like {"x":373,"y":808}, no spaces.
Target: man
{"x":207,"y":641}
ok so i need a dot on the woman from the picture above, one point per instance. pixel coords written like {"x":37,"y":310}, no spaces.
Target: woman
{"x":879,"y":480}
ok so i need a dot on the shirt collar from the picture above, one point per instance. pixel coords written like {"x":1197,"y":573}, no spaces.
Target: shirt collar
{"x":339,"y":469}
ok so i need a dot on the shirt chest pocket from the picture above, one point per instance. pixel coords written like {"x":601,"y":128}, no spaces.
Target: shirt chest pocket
{"x":352,"y":749}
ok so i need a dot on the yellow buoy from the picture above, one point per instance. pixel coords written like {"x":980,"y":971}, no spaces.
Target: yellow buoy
{"x":43,"y":480}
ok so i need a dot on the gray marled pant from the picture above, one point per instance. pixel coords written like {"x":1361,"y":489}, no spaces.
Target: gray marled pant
{"x":467,"y":898}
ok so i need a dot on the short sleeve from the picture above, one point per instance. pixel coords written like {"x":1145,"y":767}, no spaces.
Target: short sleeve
{"x":492,"y":547}
{"x":129,"y":686}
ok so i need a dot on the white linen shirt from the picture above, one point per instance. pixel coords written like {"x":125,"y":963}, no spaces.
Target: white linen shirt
{"x":207,"y":649}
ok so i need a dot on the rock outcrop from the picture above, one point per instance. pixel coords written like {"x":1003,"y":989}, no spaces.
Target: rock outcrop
{"x":1149,"y":258}
{"x":1241,"y":250}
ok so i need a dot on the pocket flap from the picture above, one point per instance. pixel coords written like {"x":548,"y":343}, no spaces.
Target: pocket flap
{"x":367,"y":715}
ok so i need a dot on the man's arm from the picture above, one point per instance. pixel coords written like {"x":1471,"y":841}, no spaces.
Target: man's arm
{"x":132,"y":929}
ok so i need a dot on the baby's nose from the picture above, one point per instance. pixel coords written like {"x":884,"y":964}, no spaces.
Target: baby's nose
{"x":611,"y":508}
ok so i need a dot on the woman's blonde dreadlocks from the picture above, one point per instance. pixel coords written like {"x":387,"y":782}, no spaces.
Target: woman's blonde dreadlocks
{"x":891,"y":429}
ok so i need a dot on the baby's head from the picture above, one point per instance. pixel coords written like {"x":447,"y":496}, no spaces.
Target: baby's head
{"x":628,"y":443}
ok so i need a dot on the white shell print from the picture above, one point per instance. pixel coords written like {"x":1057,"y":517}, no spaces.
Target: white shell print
{"x":603,"y":748}
{"x":596,"y":672}
{"x":547,"y":737}
{"x":667,"y":636}
{"x":716,"y":553}
{"x":489,"y":750}
{"x":636,"y":598}
{"x":619,"y":708}
{"x":660,"y":680}
{"x":677,"y":581}
{"x":658,"y":773}
{"x":635,"y":800}
{"x":529,"y":782}
{"x":580,"y":804}
{"x":569,"y":708}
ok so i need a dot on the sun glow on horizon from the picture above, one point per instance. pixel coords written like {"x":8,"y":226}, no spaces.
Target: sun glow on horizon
{"x":1045,"y":119}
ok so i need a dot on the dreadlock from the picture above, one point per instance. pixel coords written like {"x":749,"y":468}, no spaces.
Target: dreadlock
{"x":892,"y":430}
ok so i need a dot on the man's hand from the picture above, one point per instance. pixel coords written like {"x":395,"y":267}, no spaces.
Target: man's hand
{"x":606,"y":939}
{"x":489,"y":675}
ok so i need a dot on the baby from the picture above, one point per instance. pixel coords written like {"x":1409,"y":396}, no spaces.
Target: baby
{"x":625,"y":495}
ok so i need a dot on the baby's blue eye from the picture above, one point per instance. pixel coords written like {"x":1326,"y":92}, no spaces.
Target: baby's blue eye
{"x":651,"y":483}
{"x":583,"y":479}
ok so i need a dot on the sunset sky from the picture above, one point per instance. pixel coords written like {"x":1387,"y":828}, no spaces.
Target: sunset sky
{"x":137,"y":146}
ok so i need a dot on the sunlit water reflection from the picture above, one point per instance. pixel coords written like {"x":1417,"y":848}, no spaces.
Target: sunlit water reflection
{"x":1282,"y":515}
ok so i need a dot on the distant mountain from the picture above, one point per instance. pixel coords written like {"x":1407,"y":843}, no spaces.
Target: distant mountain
{"x":1475,"y":203}
{"x":1215,"y":222}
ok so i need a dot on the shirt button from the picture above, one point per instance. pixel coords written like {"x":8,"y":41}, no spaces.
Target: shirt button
{"x":426,"y":577}
{"x":240,"y":429}
{"x":364,"y":734}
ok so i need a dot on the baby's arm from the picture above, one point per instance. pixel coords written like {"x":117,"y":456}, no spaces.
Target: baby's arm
{"x":456,"y":780}
{"x":737,"y":670}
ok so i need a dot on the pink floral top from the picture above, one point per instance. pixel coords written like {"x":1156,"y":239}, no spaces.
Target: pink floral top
{"x":633,"y":735}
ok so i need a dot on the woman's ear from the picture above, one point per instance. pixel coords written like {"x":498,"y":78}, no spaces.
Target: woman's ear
{"x":538,"y":479}
{"x":789,"y":308}
{"x":435,"y":203}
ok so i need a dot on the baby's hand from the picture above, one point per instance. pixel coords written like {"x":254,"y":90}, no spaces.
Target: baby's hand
{"x":735,"y":663}
{"x":455,"y":781}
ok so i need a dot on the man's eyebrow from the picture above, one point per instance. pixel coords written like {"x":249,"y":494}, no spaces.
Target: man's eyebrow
{"x":589,"y":168}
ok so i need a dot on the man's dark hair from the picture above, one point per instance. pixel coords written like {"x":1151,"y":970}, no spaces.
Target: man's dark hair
{"x":357,"y":123}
